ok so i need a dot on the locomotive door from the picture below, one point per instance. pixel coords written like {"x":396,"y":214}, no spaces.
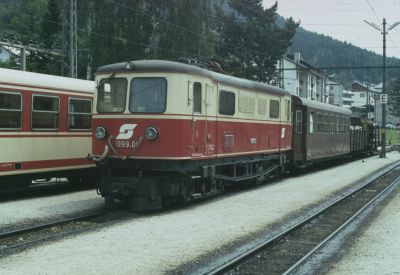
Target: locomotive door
{"x":299,"y":132}
{"x":199,"y":120}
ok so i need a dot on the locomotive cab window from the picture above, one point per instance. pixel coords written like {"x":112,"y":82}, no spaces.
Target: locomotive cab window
{"x":274,"y":109}
{"x":79,"y":114}
{"x":148,"y":95}
{"x":45,"y":112}
{"x":10,"y":110}
{"x":197,"y":97}
{"x":111,"y":95}
{"x":227,"y":103}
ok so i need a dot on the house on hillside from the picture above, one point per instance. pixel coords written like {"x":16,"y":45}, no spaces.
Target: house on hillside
{"x":335,"y":93}
{"x":364,"y":94}
{"x":347,"y":98}
{"x":302,"y":79}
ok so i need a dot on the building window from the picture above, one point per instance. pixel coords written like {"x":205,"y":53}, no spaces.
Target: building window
{"x":45,"y":112}
{"x":362,"y":94}
{"x":79,"y":114}
{"x":227,"y":103}
{"x":10,"y":110}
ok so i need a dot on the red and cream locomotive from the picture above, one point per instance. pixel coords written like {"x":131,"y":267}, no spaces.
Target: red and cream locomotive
{"x":166,"y":130}
{"x":45,"y":127}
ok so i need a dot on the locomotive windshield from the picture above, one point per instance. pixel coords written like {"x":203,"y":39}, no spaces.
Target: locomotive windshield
{"x":111,"y":95}
{"x":148,"y":95}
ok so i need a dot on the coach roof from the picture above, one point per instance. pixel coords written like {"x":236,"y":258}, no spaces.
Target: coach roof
{"x":44,"y":81}
{"x":176,"y":67}
{"x":321,"y":106}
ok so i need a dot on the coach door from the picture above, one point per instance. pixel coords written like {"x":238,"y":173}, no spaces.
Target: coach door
{"x":199,"y":122}
{"x":299,"y":116}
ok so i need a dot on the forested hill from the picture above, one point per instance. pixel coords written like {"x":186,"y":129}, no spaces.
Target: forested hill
{"x":324,"y":51}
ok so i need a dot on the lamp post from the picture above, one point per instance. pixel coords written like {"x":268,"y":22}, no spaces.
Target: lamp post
{"x":384,"y":32}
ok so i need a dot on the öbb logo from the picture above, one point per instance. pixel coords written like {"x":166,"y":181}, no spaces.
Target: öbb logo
{"x":126,"y":131}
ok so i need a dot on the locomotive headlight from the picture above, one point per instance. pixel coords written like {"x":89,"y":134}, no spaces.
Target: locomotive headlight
{"x":151,"y":133}
{"x":100,"y":132}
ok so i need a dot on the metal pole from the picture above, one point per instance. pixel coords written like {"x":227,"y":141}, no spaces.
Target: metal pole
{"x":383,"y":151}
{"x":23,"y":59}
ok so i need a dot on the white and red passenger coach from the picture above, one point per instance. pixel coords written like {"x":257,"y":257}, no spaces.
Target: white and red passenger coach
{"x":45,"y":127}
{"x":166,"y":130}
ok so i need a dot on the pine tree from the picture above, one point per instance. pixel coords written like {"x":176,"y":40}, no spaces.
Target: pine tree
{"x":50,"y":37}
{"x":394,"y":98}
{"x":252,"y":42}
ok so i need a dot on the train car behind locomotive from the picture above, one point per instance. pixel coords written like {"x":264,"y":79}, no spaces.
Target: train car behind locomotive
{"x":171,"y":131}
{"x":45,"y":124}
{"x":320,"y":131}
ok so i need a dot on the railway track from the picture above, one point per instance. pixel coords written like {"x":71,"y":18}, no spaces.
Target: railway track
{"x":12,"y":241}
{"x":289,"y":250}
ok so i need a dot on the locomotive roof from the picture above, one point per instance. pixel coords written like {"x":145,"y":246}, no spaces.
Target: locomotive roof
{"x":322,"y":106}
{"x":176,"y":67}
{"x":29,"y":79}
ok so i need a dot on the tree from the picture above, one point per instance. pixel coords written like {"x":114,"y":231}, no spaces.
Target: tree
{"x":50,"y":38}
{"x":394,"y":98}
{"x":251,"y":41}
{"x":184,"y":29}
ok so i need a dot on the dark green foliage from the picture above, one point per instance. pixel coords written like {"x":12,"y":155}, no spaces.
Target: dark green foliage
{"x":50,"y":38}
{"x":251,"y":41}
{"x":183,"y":29}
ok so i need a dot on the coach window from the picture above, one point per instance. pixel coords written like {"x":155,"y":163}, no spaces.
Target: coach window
{"x":312,"y":122}
{"x":227,"y":103}
{"x":274,"y":109}
{"x":326,"y":123}
{"x":320,"y":123}
{"x":10,"y":110}
{"x":299,"y":121}
{"x":337,"y":124}
{"x":332,"y":123}
{"x":79,"y":114}
{"x":341,"y":126}
{"x":197,"y":97}
{"x":148,"y":95}
{"x":45,"y":112}
{"x":111,"y":95}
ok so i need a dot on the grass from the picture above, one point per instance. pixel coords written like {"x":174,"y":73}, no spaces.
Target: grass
{"x":392,"y":136}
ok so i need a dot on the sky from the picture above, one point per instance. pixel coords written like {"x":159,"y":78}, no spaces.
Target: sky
{"x":344,"y":20}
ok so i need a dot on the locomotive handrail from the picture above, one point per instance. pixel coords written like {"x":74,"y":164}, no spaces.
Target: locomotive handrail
{"x":101,"y":157}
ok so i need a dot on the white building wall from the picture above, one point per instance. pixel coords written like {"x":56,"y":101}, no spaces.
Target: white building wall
{"x":290,"y":77}
{"x":359,"y":99}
